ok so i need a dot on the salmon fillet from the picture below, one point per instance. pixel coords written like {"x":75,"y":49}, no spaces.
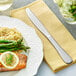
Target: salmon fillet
{"x":21,"y":64}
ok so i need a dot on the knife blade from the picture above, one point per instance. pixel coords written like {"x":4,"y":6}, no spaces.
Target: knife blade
{"x":65,"y":56}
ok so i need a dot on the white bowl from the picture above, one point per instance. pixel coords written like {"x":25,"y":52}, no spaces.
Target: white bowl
{"x":67,"y":20}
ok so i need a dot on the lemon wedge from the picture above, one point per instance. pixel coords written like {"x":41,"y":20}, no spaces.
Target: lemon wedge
{"x":9,"y":60}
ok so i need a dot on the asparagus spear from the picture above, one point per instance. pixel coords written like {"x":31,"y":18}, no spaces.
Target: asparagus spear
{"x":14,"y":49}
{"x":7,"y":41}
{"x":10,"y":45}
{"x":5,"y":50}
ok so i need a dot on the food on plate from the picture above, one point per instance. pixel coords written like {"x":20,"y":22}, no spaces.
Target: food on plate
{"x":9,"y":34}
{"x":9,"y":60}
{"x":21,"y":64}
{"x":11,"y":42}
{"x":68,"y":9}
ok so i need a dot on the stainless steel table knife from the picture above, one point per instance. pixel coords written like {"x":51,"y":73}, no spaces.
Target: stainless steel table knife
{"x":65,"y":57}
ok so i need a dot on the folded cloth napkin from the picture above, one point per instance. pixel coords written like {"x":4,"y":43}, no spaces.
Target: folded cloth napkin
{"x":56,"y":29}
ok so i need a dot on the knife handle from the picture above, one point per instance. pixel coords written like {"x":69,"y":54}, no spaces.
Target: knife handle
{"x":66,"y":58}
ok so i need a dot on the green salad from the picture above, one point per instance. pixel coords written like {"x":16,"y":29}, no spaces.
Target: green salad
{"x":68,"y":9}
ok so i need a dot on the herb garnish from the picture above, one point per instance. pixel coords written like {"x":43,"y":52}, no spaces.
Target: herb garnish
{"x":9,"y":59}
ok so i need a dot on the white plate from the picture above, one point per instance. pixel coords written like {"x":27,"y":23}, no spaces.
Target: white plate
{"x":35,"y":56}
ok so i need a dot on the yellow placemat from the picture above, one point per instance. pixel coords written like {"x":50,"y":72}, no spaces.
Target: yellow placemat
{"x":56,"y":29}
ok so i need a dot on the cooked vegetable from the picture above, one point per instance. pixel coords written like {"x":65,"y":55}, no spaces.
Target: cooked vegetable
{"x":8,"y":45}
{"x":24,"y":47}
{"x":15,"y":49}
{"x":12,"y":46}
{"x":5,"y":50}
{"x":6,"y":41}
